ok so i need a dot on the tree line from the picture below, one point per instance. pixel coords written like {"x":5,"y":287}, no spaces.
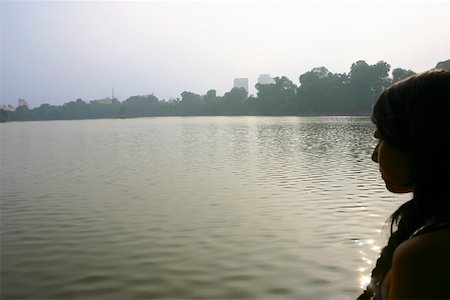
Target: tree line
{"x":319,"y":92}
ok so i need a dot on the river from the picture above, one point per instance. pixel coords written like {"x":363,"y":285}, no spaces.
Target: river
{"x":190,"y":208}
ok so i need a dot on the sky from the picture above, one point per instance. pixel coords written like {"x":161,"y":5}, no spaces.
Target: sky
{"x":57,"y":51}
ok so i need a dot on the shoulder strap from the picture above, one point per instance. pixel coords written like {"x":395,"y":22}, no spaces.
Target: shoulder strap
{"x":430,"y":228}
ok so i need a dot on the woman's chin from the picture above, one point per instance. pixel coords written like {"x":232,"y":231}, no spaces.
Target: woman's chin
{"x":399,"y":189}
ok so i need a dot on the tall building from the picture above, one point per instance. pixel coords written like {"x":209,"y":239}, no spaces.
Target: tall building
{"x":22,"y":102}
{"x":265,"y":79}
{"x":241,"y":83}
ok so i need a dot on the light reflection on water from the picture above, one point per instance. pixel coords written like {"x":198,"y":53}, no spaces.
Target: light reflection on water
{"x":365,"y":269}
{"x":191,"y":208}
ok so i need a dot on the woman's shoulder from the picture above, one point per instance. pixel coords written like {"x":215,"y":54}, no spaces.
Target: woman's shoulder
{"x":426,"y":247}
{"x":421,"y":267}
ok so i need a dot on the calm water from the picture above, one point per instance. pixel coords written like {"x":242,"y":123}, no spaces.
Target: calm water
{"x":190,"y":208}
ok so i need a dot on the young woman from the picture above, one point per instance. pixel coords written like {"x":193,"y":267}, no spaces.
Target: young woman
{"x":412,"y":121}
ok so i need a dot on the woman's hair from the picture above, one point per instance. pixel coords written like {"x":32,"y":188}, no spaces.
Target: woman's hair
{"x":414,"y":115}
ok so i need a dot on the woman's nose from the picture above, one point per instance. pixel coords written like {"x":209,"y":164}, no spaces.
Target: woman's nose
{"x":375,"y":153}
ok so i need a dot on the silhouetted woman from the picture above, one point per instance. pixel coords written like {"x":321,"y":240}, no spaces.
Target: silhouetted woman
{"x":412,"y":121}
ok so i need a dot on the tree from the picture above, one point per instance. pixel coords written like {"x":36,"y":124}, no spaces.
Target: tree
{"x":190,"y":98}
{"x":210,"y":96}
{"x":276,"y":98}
{"x":233,"y":100}
{"x":366,"y":82}
{"x":4,"y":116}
{"x":22,"y":113}
{"x":141,"y":100}
{"x":190,"y":103}
{"x":322,"y":92}
{"x":46,"y":112}
{"x":140,"y":106}
{"x":443,"y":64}
{"x":400,"y":74}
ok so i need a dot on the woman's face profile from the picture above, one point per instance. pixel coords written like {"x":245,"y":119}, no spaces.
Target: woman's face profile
{"x":395,"y":165}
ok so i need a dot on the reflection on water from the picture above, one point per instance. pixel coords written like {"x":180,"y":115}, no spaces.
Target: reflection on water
{"x":369,"y":263}
{"x":191,"y":208}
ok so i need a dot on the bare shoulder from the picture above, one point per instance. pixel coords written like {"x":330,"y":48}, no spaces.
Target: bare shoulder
{"x":425,"y":247}
{"x":421,"y":267}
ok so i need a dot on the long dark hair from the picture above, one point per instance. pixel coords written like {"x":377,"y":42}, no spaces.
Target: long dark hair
{"x":414,"y":115}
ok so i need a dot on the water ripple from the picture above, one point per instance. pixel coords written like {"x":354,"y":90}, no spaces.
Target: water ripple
{"x":190,"y":208}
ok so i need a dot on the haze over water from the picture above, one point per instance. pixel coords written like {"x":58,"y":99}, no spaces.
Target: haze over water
{"x":190,"y":208}
{"x":58,"y":51}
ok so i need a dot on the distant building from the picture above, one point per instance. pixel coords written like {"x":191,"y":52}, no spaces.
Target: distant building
{"x":241,"y":83}
{"x":106,"y":100}
{"x":8,"y":107}
{"x":23,"y":102}
{"x":265,"y":79}
{"x":173,"y":100}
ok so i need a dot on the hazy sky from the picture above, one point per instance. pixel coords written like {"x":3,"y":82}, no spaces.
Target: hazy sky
{"x":56,"y":52}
